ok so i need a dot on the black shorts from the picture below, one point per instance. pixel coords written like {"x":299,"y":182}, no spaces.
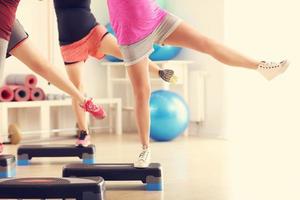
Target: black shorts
{"x":18,"y":35}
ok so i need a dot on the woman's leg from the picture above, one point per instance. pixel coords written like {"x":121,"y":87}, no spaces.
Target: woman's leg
{"x":109,"y":46}
{"x":3,"y":49}
{"x":30,"y":57}
{"x":75,"y":73}
{"x":139,"y":77}
{"x":187,"y":36}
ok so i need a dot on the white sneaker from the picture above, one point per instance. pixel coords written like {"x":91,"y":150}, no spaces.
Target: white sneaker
{"x":143,"y":159}
{"x":270,"y":69}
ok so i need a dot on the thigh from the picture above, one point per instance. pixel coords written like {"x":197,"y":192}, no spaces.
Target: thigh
{"x":28,"y":54}
{"x":187,"y":36}
{"x":109,"y":46}
{"x":3,"y":49}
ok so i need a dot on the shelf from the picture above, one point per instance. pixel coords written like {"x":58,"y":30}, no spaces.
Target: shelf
{"x":156,"y":62}
{"x":156,"y":80}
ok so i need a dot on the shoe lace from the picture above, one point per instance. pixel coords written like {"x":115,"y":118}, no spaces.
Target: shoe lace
{"x":166,"y":74}
{"x":90,"y":106}
{"x":143,"y":155}
{"x":270,"y":65}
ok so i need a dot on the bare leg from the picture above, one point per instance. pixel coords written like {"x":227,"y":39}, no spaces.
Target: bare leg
{"x":3,"y":49}
{"x":110,"y":46}
{"x":139,"y":76}
{"x":75,"y":74}
{"x":30,"y":57}
{"x":187,"y":36}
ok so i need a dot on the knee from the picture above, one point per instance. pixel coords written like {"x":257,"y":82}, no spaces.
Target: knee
{"x":142,"y":93}
{"x":207,"y":45}
{"x":79,"y":85}
{"x":40,"y":68}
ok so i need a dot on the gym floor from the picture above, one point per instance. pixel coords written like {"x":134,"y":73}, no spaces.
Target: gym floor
{"x":194,"y":168}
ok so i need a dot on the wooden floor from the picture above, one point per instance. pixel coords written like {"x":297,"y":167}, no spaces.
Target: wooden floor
{"x":194,"y":168}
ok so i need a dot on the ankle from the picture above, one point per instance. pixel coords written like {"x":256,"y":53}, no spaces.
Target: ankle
{"x":146,"y":147}
{"x":84,"y":131}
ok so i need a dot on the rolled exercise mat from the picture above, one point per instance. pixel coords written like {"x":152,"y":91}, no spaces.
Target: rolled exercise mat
{"x":21,"y":93}
{"x":37,"y":94}
{"x":6,"y":94}
{"x":27,"y":80}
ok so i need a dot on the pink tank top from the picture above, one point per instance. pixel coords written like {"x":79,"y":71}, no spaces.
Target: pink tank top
{"x":134,"y":20}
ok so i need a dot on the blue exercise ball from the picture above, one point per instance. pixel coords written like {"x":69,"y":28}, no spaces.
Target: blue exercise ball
{"x":166,"y":52}
{"x":169,"y":115}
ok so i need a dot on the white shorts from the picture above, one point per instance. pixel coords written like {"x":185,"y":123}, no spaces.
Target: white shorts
{"x":136,"y":52}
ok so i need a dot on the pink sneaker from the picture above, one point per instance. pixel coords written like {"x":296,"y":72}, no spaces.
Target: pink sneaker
{"x":83,"y":139}
{"x":94,"y":109}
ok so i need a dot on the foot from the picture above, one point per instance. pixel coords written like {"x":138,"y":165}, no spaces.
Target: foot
{"x":270,"y":69}
{"x":83,"y":139}
{"x":168,"y":75}
{"x":94,"y":109}
{"x":143,"y":159}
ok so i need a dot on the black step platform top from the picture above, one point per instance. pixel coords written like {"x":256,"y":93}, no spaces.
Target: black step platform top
{"x":42,"y":188}
{"x":55,"y":150}
{"x":113,"y":172}
{"x":7,"y":160}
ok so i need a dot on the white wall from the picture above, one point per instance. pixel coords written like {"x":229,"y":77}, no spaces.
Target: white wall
{"x":208,"y":17}
{"x":262,"y":118}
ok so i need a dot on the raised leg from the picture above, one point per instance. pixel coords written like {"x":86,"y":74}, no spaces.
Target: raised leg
{"x":3,"y":49}
{"x":187,"y":36}
{"x":30,"y":57}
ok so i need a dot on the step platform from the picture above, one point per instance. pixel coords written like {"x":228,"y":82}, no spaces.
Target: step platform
{"x":27,"y":152}
{"x":151,"y":176}
{"x":50,"y":188}
{"x":7,"y":166}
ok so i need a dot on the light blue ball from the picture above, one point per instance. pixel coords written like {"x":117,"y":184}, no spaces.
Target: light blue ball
{"x":166,"y":52}
{"x":169,"y":115}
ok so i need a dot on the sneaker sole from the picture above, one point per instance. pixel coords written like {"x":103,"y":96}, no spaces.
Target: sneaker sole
{"x":286,"y":66}
{"x":140,"y":167}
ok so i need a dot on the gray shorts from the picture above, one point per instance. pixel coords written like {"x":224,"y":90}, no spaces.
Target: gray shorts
{"x":134,"y":53}
{"x":18,"y":35}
